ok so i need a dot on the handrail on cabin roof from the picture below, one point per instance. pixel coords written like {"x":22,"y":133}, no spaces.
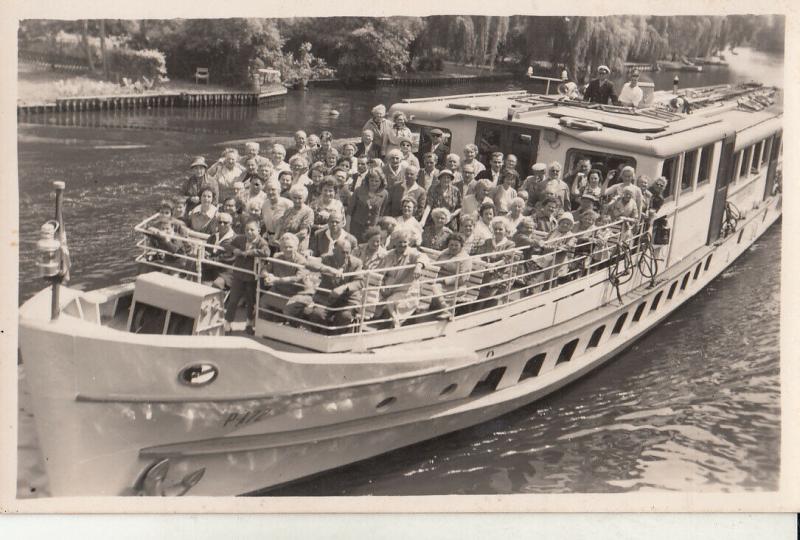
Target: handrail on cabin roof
{"x":507,"y":93}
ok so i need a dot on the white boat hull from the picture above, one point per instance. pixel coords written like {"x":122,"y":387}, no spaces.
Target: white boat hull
{"x":108,"y":404}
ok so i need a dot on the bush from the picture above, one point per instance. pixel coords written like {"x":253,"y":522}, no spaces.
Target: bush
{"x":136,"y":65}
{"x":433,"y":61}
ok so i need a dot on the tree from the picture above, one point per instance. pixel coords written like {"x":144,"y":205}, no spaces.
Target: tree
{"x":381,"y":46}
{"x":85,"y":36}
{"x":103,"y":47}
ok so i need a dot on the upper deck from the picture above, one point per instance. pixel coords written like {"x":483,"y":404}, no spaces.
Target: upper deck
{"x":660,"y":129}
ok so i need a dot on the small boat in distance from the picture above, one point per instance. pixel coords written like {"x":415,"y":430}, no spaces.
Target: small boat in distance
{"x":136,"y":390}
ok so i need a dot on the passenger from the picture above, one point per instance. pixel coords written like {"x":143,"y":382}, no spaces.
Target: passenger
{"x":325,"y":144}
{"x":625,"y":205}
{"x":330,"y":159}
{"x":436,"y":237}
{"x":246,"y":248}
{"x":561,"y":242}
{"x":344,"y":192}
{"x":285,"y":180}
{"x":444,"y":194}
{"x":250,"y":170}
{"x":322,"y":241}
{"x":195,"y":182}
{"x":299,"y":219}
{"x":313,"y":144}
{"x":643,"y":183}
{"x":515,"y":212}
{"x":299,"y":168}
{"x":656,"y":189}
{"x":232,"y":207}
{"x":601,"y":90}
{"x":468,"y":181}
{"x":408,"y":188}
{"x":546,"y":219}
{"x":492,"y":174}
{"x":272,"y":211}
{"x":219,"y":249}
{"x":362,"y":168}
{"x":505,"y":192}
{"x":164,"y":244}
{"x":179,"y":208}
{"x":300,"y":147}
{"x":326,"y":204}
{"x":368,"y":147}
{"x":427,"y":175}
{"x":166,"y":210}
{"x":202,"y":218}
{"x":470,"y":158}
{"x":238,"y":195}
{"x":510,"y":164}
{"x":593,"y":185}
{"x":251,"y":150}
{"x":371,"y":252}
{"x":226,"y":171}
{"x":276,"y":157}
{"x":253,"y":192}
{"x":577,"y":179}
{"x":586,"y":239}
{"x":472,"y":202}
{"x":407,"y":221}
{"x":435,"y":145}
{"x":496,"y":252}
{"x":452,"y":163}
{"x":631,"y":94}
{"x":405,"y":149}
{"x":393,"y":136}
{"x":265,"y":170}
{"x":387,"y":225}
{"x":468,"y":232}
{"x":483,"y":226}
{"x":368,"y":204}
{"x":556,"y":186}
{"x":378,"y":125}
{"x":349,"y":153}
{"x":529,"y":274}
{"x":400,"y":288}
{"x":284,"y":274}
{"x":317,"y":174}
{"x":535,"y":183}
{"x":627,"y":179}
{"x":454,"y":268}
{"x":393,"y":170}
{"x":337,"y":299}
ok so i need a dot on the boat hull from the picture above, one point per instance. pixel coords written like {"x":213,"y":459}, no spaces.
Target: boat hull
{"x":108,"y":409}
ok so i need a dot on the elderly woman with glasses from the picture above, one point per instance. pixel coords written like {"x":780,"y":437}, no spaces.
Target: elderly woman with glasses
{"x":436,"y":236}
{"x":299,"y":219}
{"x":395,"y":134}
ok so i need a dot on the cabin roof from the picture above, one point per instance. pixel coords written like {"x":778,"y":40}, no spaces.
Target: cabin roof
{"x":651,"y":131}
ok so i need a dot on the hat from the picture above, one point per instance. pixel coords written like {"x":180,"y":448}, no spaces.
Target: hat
{"x":566,"y":216}
{"x":405,"y":139}
{"x":603,"y":67}
{"x":447,"y":172}
{"x":436,"y":131}
{"x":199,"y":161}
{"x":539,"y":167}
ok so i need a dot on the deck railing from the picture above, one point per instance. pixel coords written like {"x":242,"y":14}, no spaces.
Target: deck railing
{"x":479,"y":282}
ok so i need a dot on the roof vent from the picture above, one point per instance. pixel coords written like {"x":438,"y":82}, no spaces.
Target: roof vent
{"x":580,"y":123}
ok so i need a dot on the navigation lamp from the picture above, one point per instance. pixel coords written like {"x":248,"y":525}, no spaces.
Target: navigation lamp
{"x":675,"y":82}
{"x":49,"y":251}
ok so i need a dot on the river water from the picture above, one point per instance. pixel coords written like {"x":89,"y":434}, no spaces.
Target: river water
{"x":693,"y":406}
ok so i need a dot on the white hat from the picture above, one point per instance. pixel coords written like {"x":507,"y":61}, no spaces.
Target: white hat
{"x":566,"y":216}
{"x":603,"y":67}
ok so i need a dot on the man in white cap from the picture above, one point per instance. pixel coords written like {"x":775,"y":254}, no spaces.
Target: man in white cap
{"x":631,"y":94}
{"x":534,"y":184}
{"x":601,"y":90}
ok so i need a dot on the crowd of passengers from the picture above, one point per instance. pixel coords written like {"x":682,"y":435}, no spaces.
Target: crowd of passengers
{"x":328,"y":211}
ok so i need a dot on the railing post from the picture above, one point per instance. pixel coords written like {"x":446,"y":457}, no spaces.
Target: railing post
{"x":364,"y":293}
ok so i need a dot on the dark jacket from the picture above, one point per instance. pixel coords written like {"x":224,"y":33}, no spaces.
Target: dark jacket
{"x":374,"y":150}
{"x":320,"y":244}
{"x":247,"y":260}
{"x":603,"y":93}
{"x":441,"y":152}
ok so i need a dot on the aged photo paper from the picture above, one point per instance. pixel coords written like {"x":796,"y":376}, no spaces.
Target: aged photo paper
{"x":502,"y":489}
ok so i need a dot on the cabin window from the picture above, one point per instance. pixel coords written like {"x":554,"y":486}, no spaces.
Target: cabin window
{"x":704,"y":171}
{"x":523,"y":142}
{"x":671,"y":292}
{"x":567,"y":351}
{"x":421,"y":137}
{"x":697,"y":270}
{"x":619,"y":324}
{"x":594,"y":341}
{"x":744,"y":165}
{"x":737,"y":161}
{"x":759,"y":147}
{"x":489,"y":140}
{"x":600,"y":161}
{"x":685,"y":281}
{"x":639,"y":310}
{"x":708,"y":263}
{"x":669,"y":170}
{"x":767,"y":149}
{"x":656,"y":300}
{"x":489,"y":383}
{"x":532,"y":367}
{"x":687,"y":174}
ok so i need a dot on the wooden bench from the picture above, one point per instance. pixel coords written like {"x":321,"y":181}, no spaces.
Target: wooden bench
{"x":201,"y":74}
{"x":427,"y":275}
{"x":474,"y":281}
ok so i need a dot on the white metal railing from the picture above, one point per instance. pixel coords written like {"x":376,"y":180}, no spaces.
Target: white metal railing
{"x":480,"y":283}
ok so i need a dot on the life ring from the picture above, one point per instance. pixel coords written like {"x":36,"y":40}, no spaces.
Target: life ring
{"x":580,"y":123}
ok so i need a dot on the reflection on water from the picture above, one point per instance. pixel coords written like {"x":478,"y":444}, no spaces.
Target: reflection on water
{"x":692,"y":406}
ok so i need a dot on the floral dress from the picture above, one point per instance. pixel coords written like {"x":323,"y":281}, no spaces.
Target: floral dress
{"x":436,"y":240}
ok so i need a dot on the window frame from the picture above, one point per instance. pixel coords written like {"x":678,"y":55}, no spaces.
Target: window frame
{"x":670,"y":192}
{"x":755,"y":160}
{"x":710,"y":147}
{"x":692,"y":173}
{"x":747,"y":158}
{"x":767,"y":150}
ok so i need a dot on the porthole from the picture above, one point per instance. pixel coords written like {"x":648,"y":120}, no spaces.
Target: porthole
{"x":198,"y":374}
{"x":386,"y":402}
{"x":449,"y":389}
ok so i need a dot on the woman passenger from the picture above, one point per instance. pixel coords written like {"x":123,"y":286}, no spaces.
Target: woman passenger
{"x":408,"y":222}
{"x":202,"y":218}
{"x":470,"y":155}
{"x":378,"y":124}
{"x":515,"y":210}
{"x":467,"y":231}
{"x":483,"y":227}
{"x":326,"y":203}
{"x":371,"y":252}
{"x":393,"y":135}
{"x":496,"y":252}
{"x":454,"y":267}
{"x":505,"y":192}
{"x":298,"y":219}
{"x":444,"y":194}
{"x":400,"y":288}
{"x":436,"y":237}
{"x":367,"y":204}
{"x":405,"y":150}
